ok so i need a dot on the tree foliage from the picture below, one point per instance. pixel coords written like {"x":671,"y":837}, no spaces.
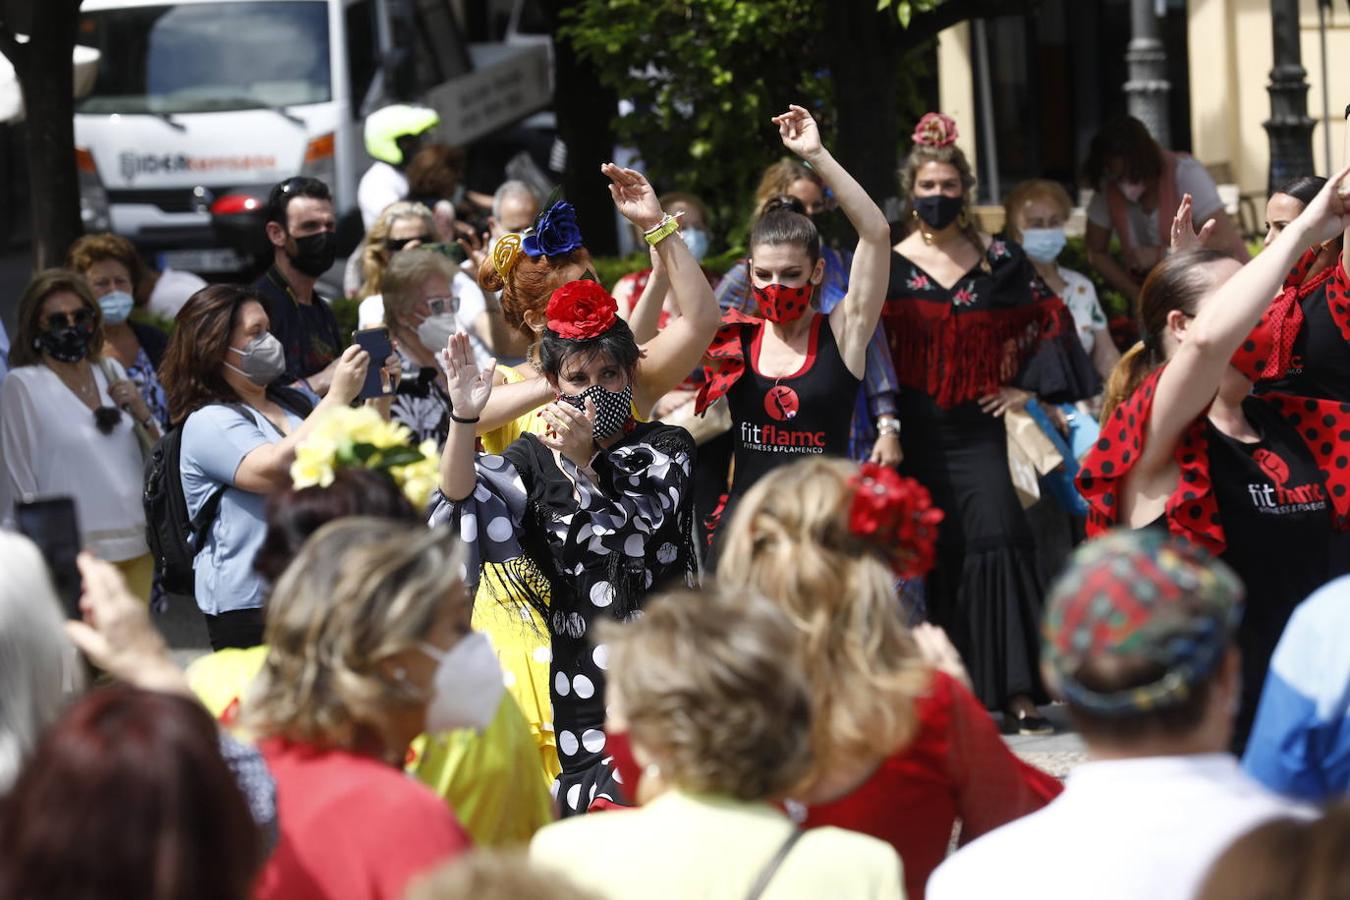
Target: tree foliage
{"x":703,"y":77}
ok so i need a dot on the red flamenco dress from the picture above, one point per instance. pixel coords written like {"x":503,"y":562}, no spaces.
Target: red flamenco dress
{"x":1268,"y":508}
{"x":956,"y":767}
{"x":1302,"y":348}
{"x":998,"y":325}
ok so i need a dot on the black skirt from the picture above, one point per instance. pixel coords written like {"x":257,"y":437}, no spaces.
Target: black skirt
{"x":986,"y":589}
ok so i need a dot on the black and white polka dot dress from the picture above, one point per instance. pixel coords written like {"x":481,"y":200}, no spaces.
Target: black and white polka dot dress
{"x":602,"y":549}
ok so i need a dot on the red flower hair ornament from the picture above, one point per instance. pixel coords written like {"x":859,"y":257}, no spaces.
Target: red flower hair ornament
{"x":581,"y":310}
{"x":935,"y":130}
{"x":896,"y":514}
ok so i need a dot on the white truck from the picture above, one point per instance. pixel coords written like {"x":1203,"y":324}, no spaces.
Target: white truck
{"x":204,"y":102}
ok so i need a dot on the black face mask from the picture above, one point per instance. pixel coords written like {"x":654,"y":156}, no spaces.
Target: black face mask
{"x":939,"y":210}
{"x":69,"y":343}
{"x":314,"y":253}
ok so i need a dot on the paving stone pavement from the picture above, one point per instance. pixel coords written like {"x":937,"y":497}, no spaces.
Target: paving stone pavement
{"x":1054,"y":753}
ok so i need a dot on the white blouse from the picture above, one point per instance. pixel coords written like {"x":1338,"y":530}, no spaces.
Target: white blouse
{"x":50,"y":447}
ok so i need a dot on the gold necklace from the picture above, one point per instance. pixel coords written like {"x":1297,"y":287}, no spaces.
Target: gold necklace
{"x":85,"y":391}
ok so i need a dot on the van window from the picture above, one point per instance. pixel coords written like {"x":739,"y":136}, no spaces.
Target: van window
{"x":208,"y":57}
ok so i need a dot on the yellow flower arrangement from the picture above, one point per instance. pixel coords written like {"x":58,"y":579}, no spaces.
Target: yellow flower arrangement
{"x":360,"y":437}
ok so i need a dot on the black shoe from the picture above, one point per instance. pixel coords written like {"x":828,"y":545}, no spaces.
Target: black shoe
{"x":1032,"y":724}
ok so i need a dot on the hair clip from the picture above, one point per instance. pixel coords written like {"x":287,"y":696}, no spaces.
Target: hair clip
{"x":505,"y":254}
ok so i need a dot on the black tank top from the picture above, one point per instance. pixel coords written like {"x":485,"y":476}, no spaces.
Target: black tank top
{"x":1277,"y":520}
{"x":776,"y":421}
{"x":1320,"y":366}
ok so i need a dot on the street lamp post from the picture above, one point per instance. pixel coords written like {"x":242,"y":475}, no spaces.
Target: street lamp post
{"x":1289,"y":127}
{"x":1146,"y":91}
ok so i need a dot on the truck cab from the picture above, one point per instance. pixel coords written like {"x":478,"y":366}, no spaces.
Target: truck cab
{"x":199,"y":100}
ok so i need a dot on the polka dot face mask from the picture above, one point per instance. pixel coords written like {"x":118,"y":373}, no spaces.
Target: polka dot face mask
{"x":780,"y":303}
{"x":613,"y":409}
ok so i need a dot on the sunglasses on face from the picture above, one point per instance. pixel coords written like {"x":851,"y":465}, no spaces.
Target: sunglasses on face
{"x":393,"y":245}
{"x":78,"y":318}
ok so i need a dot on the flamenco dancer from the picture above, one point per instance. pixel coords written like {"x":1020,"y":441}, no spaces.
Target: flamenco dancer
{"x":1259,"y":480}
{"x":587,"y":518}
{"x":790,"y":377}
{"x":972,"y":329}
{"x":527,"y":268}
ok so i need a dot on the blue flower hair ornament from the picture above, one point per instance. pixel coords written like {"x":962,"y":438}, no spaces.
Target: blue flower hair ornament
{"x":554,"y":233}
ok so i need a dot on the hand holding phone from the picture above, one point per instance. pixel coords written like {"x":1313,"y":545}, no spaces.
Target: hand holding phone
{"x":376,"y":343}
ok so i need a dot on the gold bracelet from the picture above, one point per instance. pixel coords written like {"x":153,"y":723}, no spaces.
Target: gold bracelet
{"x":662,"y":230}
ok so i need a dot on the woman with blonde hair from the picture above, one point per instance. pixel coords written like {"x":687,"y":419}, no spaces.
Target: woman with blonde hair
{"x":404,"y":225}
{"x":711,"y":720}
{"x":974,"y":332}
{"x":1185,"y":444}
{"x":901,"y":749}
{"x":369,"y":645}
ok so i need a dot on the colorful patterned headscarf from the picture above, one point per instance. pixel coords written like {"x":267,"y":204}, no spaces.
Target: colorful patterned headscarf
{"x":1140,"y":595}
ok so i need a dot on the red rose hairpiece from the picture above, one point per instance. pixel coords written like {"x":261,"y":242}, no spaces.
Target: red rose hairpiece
{"x":898,"y":515}
{"x":580,"y":310}
{"x":935,"y":130}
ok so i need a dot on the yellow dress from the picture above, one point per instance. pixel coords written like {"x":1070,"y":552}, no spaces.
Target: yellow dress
{"x":475,"y":773}
{"x":518,"y":634}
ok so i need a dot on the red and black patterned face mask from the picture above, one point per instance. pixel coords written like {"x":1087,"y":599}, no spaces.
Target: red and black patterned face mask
{"x":780,"y":303}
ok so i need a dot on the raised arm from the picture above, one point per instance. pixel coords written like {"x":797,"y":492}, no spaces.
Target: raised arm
{"x":855,"y":319}
{"x":644,"y":313}
{"x":511,"y":401}
{"x":670,"y":356}
{"x":469,"y":388}
{"x":1191,"y":379}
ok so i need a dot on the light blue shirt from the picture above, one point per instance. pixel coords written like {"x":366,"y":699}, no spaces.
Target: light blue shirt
{"x":1300,"y":742}
{"x":215,"y":441}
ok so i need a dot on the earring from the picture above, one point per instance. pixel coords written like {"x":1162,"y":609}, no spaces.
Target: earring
{"x":963,"y":220}
{"x":923,"y":232}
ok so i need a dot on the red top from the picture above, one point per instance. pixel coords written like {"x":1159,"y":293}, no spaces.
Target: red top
{"x":352,"y":827}
{"x":956,"y":767}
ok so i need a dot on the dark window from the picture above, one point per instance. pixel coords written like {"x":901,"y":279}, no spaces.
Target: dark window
{"x":362,"y":50}
{"x":208,"y":57}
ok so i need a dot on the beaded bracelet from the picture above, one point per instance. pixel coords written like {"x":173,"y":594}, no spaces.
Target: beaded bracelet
{"x":661,"y":230}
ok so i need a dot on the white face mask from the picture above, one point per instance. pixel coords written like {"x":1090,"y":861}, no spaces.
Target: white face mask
{"x":467,"y":687}
{"x":1132,"y":190}
{"x":435,"y":331}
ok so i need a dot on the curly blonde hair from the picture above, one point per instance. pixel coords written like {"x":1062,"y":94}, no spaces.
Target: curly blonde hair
{"x":789,"y":541}
{"x":374,"y":255}
{"x":360,"y":591}
{"x":710,"y":687}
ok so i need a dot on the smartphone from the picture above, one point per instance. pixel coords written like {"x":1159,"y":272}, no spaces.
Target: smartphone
{"x":51,"y":524}
{"x":375,"y":341}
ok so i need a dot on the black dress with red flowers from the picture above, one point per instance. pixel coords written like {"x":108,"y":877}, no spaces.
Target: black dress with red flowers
{"x":999,"y":324}
{"x":1266,"y":508}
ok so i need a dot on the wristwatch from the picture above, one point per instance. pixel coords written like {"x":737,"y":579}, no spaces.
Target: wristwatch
{"x":888,"y":425}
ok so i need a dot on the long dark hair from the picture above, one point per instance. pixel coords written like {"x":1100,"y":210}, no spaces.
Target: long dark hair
{"x":1303,"y":188}
{"x":784,"y":221}
{"x":616,"y":343}
{"x":1127,"y":139}
{"x":1178,"y":282}
{"x":127,"y":794}
{"x":191,"y":372}
{"x":40,"y":287}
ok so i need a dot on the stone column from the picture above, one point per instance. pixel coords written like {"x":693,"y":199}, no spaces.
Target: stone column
{"x":1289,"y":127}
{"x":1147,"y":89}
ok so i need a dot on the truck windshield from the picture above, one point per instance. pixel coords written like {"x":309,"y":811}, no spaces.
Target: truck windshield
{"x":208,"y":57}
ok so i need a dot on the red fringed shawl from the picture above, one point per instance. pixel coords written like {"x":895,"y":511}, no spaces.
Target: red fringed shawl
{"x":725,"y":358}
{"x":1267,"y":352}
{"x":959,"y":344}
{"x":1192,"y":510}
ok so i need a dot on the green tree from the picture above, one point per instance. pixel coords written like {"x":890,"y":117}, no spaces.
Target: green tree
{"x":705,"y":76}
